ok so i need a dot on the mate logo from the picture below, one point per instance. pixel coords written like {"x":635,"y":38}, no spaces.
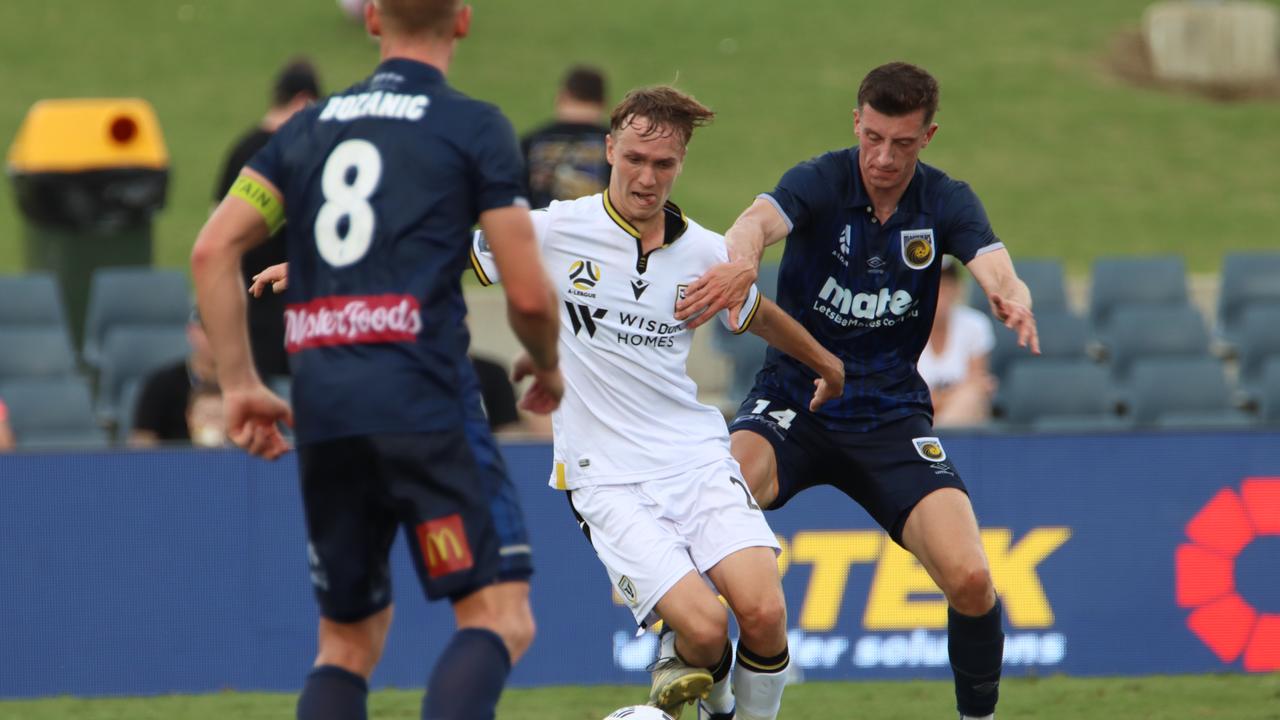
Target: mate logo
{"x":917,"y":248}
{"x":1207,"y":579}
{"x":584,"y":275}
{"x":444,"y":546}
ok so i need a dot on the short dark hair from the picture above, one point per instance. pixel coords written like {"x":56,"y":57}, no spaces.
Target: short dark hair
{"x":419,"y":17}
{"x":898,"y":89}
{"x":296,"y":78}
{"x":584,"y":83}
{"x":666,"y":108}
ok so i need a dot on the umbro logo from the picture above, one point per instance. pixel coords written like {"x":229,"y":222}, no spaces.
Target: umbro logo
{"x":875,"y":263}
{"x":584,"y":317}
{"x":638,"y":287}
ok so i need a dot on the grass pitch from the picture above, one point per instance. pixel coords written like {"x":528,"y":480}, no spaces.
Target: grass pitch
{"x":1203,"y":697}
{"x":1070,"y":161}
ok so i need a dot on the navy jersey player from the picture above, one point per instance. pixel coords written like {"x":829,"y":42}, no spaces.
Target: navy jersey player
{"x":866,"y":227}
{"x":378,"y":188}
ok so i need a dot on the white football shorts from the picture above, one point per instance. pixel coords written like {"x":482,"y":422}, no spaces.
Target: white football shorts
{"x":650,"y":534}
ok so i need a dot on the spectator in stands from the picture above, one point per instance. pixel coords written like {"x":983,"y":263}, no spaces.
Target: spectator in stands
{"x":565,"y":159}
{"x":296,"y":87}
{"x":161,"y":412}
{"x":499,"y":398}
{"x":206,"y":423}
{"x":954,"y":362}
{"x":6,"y":433}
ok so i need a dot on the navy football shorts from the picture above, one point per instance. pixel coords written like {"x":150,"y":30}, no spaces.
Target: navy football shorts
{"x":886,"y":470}
{"x":450,"y":492}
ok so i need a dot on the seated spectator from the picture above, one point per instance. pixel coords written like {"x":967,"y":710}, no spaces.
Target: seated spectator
{"x":498,"y":396}
{"x":161,"y":412}
{"x":7,"y":442}
{"x":206,"y":423}
{"x":954,"y":362}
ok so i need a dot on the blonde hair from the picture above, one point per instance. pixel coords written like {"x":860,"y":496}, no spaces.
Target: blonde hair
{"x":419,"y":17}
{"x":667,"y":109}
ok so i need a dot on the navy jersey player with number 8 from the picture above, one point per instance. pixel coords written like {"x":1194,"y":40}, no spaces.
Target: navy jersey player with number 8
{"x":866,"y":226}
{"x":378,"y":188}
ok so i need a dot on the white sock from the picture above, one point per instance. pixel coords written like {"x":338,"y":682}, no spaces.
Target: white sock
{"x":758,"y":691}
{"x":992,"y":716}
{"x":720,"y":699}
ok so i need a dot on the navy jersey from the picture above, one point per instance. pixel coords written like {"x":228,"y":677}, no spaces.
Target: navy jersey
{"x":382,"y":185}
{"x":867,"y":292}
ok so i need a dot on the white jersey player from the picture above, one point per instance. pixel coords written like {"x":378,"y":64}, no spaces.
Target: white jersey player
{"x":647,"y":466}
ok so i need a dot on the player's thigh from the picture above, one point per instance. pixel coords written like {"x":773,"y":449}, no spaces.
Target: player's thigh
{"x":462,"y":519}
{"x":797,"y":458}
{"x":349,"y":528}
{"x":942,"y":532}
{"x":642,"y":551}
{"x":748,"y":579}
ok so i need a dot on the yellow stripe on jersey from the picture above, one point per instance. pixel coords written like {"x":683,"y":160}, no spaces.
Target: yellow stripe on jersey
{"x":479,"y":269}
{"x":617,"y":218}
{"x":750,"y":316}
{"x":560,"y":481}
{"x":262,"y":199}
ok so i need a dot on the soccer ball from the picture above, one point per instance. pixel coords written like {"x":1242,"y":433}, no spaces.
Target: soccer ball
{"x":353,"y":9}
{"x":638,"y":712}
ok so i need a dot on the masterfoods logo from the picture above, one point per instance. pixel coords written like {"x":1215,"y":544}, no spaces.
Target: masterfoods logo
{"x":904,"y":623}
{"x":1207,"y":581}
{"x":352,"y":320}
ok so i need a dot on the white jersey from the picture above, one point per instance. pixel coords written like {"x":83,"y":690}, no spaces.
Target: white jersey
{"x":630,"y":411}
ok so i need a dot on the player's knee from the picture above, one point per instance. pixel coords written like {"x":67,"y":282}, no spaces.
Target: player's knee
{"x":706,"y":632}
{"x":972,"y":592}
{"x":517,"y":629}
{"x":359,"y":657}
{"x":762,"y":617}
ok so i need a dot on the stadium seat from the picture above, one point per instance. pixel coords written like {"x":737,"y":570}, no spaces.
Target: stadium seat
{"x":1044,"y":278}
{"x":1063,"y":336}
{"x":1269,"y":391}
{"x":1247,"y":279}
{"x":745,"y":353}
{"x":1051,"y":394}
{"x":131,"y":352}
{"x":30,"y":300}
{"x":1126,"y":282}
{"x":1153,"y":331}
{"x":1182,"y":392}
{"x":1258,"y":341}
{"x":126,"y":408}
{"x":30,"y":351}
{"x":133,"y":296}
{"x":52,"y":413}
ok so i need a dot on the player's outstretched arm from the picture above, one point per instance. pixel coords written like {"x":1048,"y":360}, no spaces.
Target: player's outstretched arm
{"x":1009,"y":297}
{"x":782,"y":331}
{"x":252,"y":410}
{"x":531,"y":300}
{"x":726,"y":285}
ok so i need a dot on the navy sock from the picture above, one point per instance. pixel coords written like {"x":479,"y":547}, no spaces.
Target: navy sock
{"x":468,"y":677}
{"x":976,"y":646}
{"x":332,"y":693}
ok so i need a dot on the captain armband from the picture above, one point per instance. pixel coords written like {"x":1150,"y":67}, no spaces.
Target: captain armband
{"x":263,"y":200}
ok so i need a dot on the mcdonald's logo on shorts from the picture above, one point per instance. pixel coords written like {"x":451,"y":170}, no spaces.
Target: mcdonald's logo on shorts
{"x":444,"y":546}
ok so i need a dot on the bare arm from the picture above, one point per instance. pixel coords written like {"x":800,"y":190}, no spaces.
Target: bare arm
{"x":252,"y":410}
{"x":782,"y":332}
{"x":726,"y":285}
{"x":1009,"y":297}
{"x":531,"y":300}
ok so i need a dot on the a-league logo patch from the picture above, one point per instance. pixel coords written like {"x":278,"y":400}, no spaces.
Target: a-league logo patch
{"x":917,"y":248}
{"x":929,"y":448}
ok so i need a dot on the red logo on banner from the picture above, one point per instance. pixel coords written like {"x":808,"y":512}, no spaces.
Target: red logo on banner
{"x":444,"y":546}
{"x":1206,"y":578}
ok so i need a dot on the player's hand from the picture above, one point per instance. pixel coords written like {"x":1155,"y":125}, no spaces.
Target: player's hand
{"x":830,"y":386}
{"x":277,"y":276}
{"x":723,"y":286}
{"x":543,"y":395}
{"x":1018,"y":318}
{"x":252,"y":414}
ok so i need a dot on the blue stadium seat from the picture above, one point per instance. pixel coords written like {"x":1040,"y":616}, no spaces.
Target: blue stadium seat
{"x":744,"y":352}
{"x":1182,"y":392}
{"x":1154,"y":331}
{"x":1054,"y":394}
{"x":1247,"y":279}
{"x":1269,"y":390}
{"x":1127,"y":282}
{"x":1045,"y":280}
{"x":1258,"y":341}
{"x":133,"y":296}
{"x":131,"y":352}
{"x":1063,"y":336}
{"x":30,"y":351}
{"x":126,"y":409}
{"x":31,"y":300}
{"x":52,"y":413}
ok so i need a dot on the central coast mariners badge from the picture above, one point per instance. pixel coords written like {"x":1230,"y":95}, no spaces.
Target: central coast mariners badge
{"x":917,"y":248}
{"x":930,"y":448}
